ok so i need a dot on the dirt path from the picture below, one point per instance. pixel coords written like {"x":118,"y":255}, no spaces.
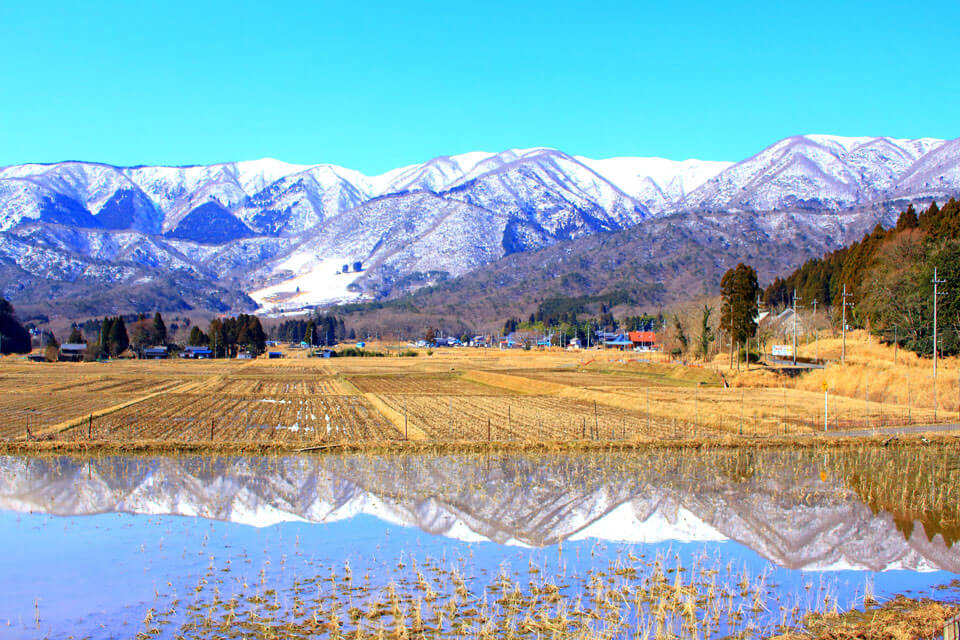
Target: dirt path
{"x":394,"y":417}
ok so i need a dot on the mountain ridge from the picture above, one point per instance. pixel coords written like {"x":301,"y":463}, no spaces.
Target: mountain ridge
{"x":269,"y":225}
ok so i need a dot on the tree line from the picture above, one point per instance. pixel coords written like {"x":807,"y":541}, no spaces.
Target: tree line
{"x":227,"y":337}
{"x":889,"y":279}
{"x":321,"y":330}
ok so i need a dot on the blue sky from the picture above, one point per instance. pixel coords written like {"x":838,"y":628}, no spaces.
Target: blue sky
{"x":374,"y":85}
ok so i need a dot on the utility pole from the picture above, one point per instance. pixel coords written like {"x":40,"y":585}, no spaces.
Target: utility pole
{"x":896,"y":344}
{"x":813,"y":321}
{"x":843,"y":329}
{"x":936,"y":293}
{"x":759,"y":355}
{"x":794,"y":326}
{"x":816,"y":334}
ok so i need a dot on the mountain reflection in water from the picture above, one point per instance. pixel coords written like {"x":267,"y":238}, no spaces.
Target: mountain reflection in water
{"x":797,"y":509}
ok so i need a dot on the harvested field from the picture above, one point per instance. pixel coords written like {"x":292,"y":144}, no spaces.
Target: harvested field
{"x":430,"y":384}
{"x":528,"y":418}
{"x":196,"y":417}
{"x":458,"y":395}
{"x":607,"y":381}
{"x":279,"y":386}
{"x":20,"y":412}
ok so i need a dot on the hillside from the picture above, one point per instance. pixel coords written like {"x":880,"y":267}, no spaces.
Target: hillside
{"x":662,"y":261}
{"x":888,"y":277}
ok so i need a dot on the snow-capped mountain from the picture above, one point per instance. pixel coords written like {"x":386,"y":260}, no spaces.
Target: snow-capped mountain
{"x":934,"y":176}
{"x":515,"y":500}
{"x":813,"y":172}
{"x":658,"y":184}
{"x":282,"y":231}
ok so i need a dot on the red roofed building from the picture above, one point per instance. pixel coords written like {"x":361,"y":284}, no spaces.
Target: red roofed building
{"x":643,"y":339}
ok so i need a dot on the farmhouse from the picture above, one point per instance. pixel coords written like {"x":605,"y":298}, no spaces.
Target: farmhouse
{"x":619,"y":341}
{"x":782,"y":325}
{"x":72,"y":351}
{"x":645,"y":340}
{"x":155,"y":353}
{"x":196,"y":353}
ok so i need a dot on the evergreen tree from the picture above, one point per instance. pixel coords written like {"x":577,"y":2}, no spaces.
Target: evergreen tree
{"x":217,"y":337}
{"x":159,"y":329}
{"x":739,"y":290}
{"x":907,"y":219}
{"x":106,"y":328}
{"x":76,"y":336}
{"x":13,"y":337}
{"x":119,"y":342}
{"x":197,"y":337}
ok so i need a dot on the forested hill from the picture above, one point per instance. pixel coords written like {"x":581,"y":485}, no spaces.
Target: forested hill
{"x":889,"y":276}
{"x":663,"y":261}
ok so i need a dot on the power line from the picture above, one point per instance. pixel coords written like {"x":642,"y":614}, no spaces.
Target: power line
{"x":843,"y":329}
{"x":794,"y":326}
{"x":936,"y":294}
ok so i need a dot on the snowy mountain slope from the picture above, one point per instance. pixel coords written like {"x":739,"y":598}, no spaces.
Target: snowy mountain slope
{"x":657,"y":183}
{"x":301,"y":201}
{"x":437,"y":174}
{"x":393,"y":237}
{"x":549,"y":196}
{"x":512,"y":501}
{"x":934,"y":175}
{"x":110,"y":247}
{"x":813,"y":172}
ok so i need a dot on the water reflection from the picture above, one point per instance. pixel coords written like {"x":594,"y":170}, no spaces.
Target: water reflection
{"x":796,"y":509}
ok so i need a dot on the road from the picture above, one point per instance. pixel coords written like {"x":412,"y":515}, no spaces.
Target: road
{"x":890,"y":431}
{"x":799,"y":365}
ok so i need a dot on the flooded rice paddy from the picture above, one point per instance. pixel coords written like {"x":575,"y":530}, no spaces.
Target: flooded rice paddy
{"x":641,"y":544}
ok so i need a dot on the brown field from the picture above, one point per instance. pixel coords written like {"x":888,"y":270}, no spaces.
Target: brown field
{"x":291,"y":419}
{"x":466,"y":395}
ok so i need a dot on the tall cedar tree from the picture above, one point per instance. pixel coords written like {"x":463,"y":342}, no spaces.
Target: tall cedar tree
{"x":119,"y":342}
{"x":13,"y":337}
{"x":159,"y":329}
{"x":197,"y":337}
{"x":739,"y":289}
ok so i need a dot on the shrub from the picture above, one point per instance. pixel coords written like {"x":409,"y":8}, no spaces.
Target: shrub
{"x":353,"y":352}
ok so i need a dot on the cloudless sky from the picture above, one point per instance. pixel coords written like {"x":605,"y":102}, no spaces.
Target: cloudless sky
{"x":376,"y":85}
